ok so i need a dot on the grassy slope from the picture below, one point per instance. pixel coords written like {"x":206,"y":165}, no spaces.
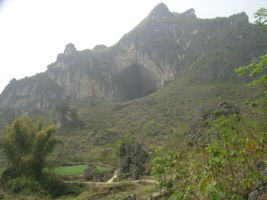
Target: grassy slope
{"x":158,"y":119}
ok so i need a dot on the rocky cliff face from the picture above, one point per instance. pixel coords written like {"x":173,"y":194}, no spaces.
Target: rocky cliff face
{"x":38,"y":91}
{"x":163,"y":46}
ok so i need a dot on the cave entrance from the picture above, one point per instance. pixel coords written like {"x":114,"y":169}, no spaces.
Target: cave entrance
{"x":134,"y":82}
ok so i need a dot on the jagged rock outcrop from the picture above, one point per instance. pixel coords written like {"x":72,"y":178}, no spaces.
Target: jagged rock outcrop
{"x":131,"y":197}
{"x":259,"y":192}
{"x":99,"y":47}
{"x":189,"y":13}
{"x":163,"y":46}
{"x":133,"y":159}
{"x":70,"y":49}
{"x":198,"y":126}
{"x":160,"y":11}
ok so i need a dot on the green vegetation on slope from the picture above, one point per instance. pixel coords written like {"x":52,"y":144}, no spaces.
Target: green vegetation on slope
{"x":224,"y":168}
{"x":160,"y":118}
{"x":26,"y":144}
{"x":232,"y":161}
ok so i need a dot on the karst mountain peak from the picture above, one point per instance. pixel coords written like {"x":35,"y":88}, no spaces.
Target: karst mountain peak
{"x":163,"y":47}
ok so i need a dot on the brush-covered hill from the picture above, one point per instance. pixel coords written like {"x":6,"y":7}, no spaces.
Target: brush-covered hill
{"x":146,"y":86}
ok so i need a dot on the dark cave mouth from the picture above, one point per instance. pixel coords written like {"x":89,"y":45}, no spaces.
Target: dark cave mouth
{"x":134,"y":82}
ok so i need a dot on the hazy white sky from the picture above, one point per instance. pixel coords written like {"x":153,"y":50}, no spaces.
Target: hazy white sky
{"x":33,"y":32}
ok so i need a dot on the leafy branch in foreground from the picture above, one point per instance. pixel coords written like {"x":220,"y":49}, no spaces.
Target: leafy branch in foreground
{"x":258,"y":70}
{"x":224,"y":169}
{"x":261,"y":16}
{"x":254,"y":69}
{"x":232,"y":157}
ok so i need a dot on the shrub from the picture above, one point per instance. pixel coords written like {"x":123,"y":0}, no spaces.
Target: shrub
{"x":56,"y":187}
{"x":26,"y":185}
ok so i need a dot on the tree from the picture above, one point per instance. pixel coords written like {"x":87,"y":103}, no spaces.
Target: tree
{"x":261,"y":16}
{"x":26,"y":144}
{"x":258,"y":69}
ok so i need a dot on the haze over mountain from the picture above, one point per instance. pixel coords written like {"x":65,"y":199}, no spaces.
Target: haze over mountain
{"x":34,"y":37}
{"x":163,"y":106}
{"x":163,"y":46}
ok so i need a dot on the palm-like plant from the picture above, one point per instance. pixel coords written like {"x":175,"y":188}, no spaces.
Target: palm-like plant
{"x":26,"y":144}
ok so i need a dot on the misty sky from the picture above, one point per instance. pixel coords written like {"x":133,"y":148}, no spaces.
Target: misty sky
{"x":34,"y":32}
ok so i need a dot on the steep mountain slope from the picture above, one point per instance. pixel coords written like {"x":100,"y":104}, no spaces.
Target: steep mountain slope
{"x":163,"y":46}
{"x":147,"y":86}
{"x":159,"y":119}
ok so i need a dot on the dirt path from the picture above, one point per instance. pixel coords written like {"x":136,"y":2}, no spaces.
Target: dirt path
{"x":115,"y":183}
{"x":111,"y":181}
{"x":115,"y":175}
{"x":5,"y":194}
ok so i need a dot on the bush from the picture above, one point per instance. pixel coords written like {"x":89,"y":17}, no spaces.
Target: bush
{"x":56,"y":187}
{"x":26,"y":185}
{"x":48,"y":184}
{"x":8,"y":174}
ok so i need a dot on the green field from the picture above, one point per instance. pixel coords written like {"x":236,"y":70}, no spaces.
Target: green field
{"x":101,"y":169}
{"x":74,"y":170}
{"x":69,"y":170}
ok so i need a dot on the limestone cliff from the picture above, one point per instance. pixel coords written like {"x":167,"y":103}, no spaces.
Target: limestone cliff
{"x":163,"y":46}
